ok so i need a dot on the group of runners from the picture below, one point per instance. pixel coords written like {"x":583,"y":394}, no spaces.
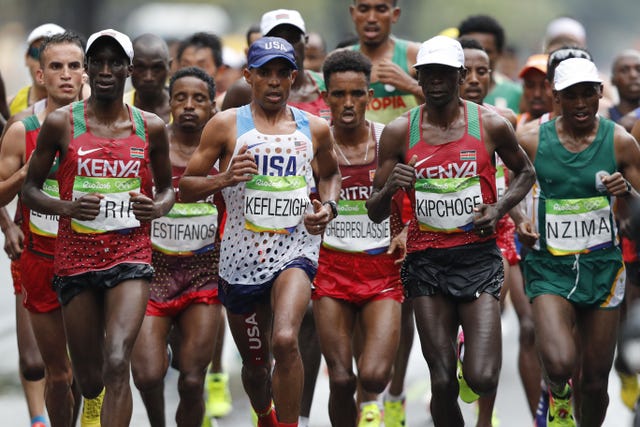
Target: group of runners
{"x":327,"y":211}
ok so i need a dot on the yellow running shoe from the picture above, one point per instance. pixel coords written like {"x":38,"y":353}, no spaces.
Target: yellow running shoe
{"x":218,"y":402}
{"x":91,"y":411}
{"x":370,"y":415}
{"x":395,"y":413}
{"x":560,"y":410}
{"x":466,"y":394}
{"x":629,"y":390}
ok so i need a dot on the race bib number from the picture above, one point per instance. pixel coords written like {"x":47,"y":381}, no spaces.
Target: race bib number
{"x":188,"y":228}
{"x":275,"y":204}
{"x":353,"y":231}
{"x":578,"y":225}
{"x":116,"y":212}
{"x":43,"y":224}
{"x":445,"y":205}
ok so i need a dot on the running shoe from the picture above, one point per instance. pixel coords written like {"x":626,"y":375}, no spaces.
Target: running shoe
{"x":218,"y":402}
{"x":629,"y":390}
{"x":560,"y":411}
{"x":370,"y":416}
{"x":540,"y":419}
{"x":91,"y":411}
{"x":395,"y":413}
{"x":466,"y":394}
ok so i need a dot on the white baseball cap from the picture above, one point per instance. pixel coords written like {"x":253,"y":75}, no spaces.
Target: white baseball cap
{"x":573,"y":71}
{"x":273,"y":18}
{"x":441,"y":50}
{"x":44,"y":30}
{"x":123,"y":40}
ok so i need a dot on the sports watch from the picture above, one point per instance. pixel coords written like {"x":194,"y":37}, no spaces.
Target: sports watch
{"x":334,"y":207}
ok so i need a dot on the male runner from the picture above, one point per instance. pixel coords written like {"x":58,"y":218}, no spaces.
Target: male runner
{"x":443,"y":153}
{"x":625,"y":76}
{"x":185,"y":257}
{"x":108,"y":152}
{"x":268,"y":153}
{"x":536,"y":91}
{"x":61,"y":59}
{"x":575,"y":274}
{"x":151,"y":65}
{"x":395,"y":88}
{"x":358,"y":281}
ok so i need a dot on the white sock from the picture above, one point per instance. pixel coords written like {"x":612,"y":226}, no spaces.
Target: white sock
{"x":388,"y":397}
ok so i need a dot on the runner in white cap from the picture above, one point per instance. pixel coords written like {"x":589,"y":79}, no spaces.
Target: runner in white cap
{"x":575,"y":274}
{"x":108,"y":153}
{"x":443,"y":154}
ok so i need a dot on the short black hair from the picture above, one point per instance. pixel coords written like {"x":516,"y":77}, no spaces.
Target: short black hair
{"x":62,"y":38}
{"x":470,"y":43}
{"x":198,"y":73}
{"x":203,"y":40}
{"x":562,"y":53}
{"x":483,"y":24}
{"x":346,"y":60}
{"x":395,"y":2}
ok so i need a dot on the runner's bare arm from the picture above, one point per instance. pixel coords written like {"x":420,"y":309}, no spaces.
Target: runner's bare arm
{"x":216,"y":144}
{"x":391,"y":173}
{"x":12,"y":170}
{"x":145,"y":208}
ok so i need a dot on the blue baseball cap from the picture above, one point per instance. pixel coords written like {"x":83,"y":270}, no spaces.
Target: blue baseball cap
{"x":266,"y":49}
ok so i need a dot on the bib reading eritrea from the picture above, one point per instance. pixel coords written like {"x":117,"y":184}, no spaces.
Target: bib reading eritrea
{"x":102,"y":261}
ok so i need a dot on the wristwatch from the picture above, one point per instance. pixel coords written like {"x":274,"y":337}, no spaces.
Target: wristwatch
{"x":334,"y":207}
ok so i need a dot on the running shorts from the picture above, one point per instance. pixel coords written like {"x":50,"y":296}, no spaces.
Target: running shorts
{"x":461,"y":272}
{"x":36,"y":274}
{"x":588,"y":280}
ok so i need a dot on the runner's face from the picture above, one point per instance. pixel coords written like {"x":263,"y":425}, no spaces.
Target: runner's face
{"x":626,"y":77}
{"x":579,"y":104}
{"x":373,"y":20}
{"x":108,"y":69}
{"x":348,"y":95}
{"x":537,"y":93}
{"x":62,"y":71}
{"x":440,"y":83}
{"x":199,"y":57}
{"x":476,"y":84}
{"x":271,"y":83}
{"x":150,"y":71}
{"x":191,"y":107}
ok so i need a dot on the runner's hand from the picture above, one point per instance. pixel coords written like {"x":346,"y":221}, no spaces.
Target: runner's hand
{"x":243,"y":167}
{"x":87,"y":207}
{"x":526,"y":235}
{"x":402,"y":176}
{"x":485,"y":219}
{"x":143,"y":207}
{"x":317,"y":221}
{"x":13,"y":240}
{"x":398,"y":246}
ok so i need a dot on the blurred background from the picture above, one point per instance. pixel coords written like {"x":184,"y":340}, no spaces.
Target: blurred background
{"x":612,"y":25}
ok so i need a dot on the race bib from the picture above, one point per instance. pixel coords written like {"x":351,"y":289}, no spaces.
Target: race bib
{"x":578,"y":225}
{"x":188,"y":228}
{"x":43,"y":224}
{"x":445,"y":205}
{"x":275,"y":204}
{"x":116,"y":212}
{"x":353,"y":231}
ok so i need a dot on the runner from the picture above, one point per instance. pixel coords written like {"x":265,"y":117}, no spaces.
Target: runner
{"x":108,"y":153}
{"x":184,"y":289}
{"x":61,"y":59}
{"x":149,"y":75}
{"x":442,"y":152}
{"x":576,"y":278}
{"x":268,"y":258}
{"x":358,"y":280}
